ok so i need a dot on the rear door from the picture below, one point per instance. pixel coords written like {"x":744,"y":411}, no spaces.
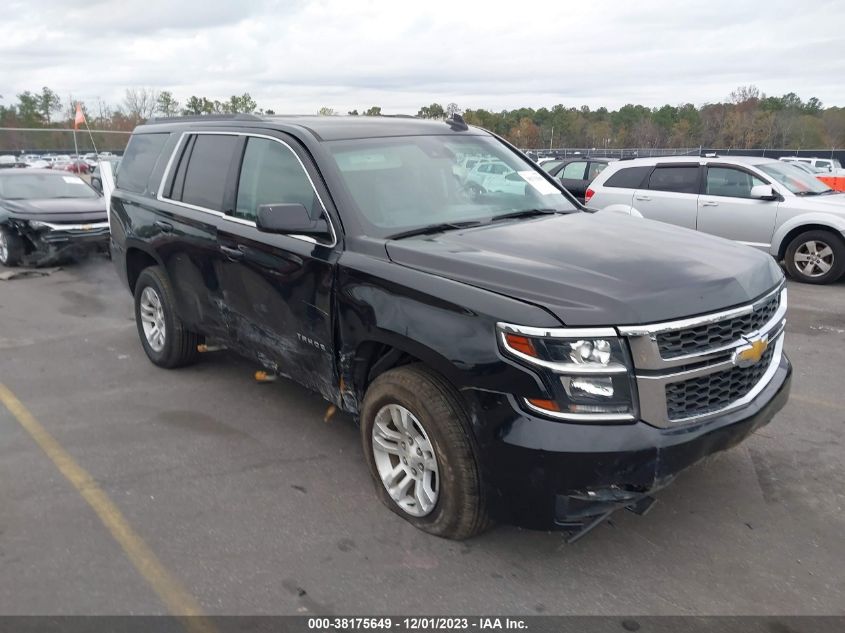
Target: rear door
{"x":277,"y":289}
{"x":190,"y":211}
{"x":671,"y":194}
{"x":572,"y":176}
{"x":726,"y":208}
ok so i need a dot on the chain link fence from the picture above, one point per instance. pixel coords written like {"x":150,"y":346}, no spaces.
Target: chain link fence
{"x":642,"y":152}
{"x":17,"y":141}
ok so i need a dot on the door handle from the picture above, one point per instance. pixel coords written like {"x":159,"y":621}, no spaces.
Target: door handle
{"x":232,"y":253}
{"x":646,"y":198}
{"x":165,"y":227}
{"x":709,"y":203}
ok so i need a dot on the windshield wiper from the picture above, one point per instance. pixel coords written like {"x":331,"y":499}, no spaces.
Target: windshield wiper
{"x":434,"y":228}
{"x":524,"y":213}
{"x":807,"y":193}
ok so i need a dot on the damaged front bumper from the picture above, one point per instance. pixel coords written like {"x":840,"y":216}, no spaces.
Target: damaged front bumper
{"x":547,"y":474}
{"x":53,"y":242}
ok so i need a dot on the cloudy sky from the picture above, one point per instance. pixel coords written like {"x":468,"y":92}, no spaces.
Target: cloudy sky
{"x":296,"y":56}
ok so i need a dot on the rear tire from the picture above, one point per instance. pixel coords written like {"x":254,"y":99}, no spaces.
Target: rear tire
{"x":815,"y":257}
{"x":11,"y":248}
{"x":459,"y":509}
{"x":165,"y":339}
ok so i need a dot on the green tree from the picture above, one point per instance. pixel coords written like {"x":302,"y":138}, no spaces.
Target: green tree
{"x":29,"y":110}
{"x":373,"y":111}
{"x":48,"y":103}
{"x":166,"y":104}
{"x":433,"y":111}
{"x":324,"y":111}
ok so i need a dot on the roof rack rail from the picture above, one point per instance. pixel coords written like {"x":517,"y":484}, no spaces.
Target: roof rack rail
{"x":205,"y":117}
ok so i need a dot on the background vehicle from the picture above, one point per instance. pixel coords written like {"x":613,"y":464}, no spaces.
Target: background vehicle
{"x":820,"y":165}
{"x":765,"y":203}
{"x":47,"y":216}
{"x":576,"y":174}
{"x":481,"y":341}
{"x":96,"y":179}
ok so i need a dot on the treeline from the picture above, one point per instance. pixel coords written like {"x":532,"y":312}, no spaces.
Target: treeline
{"x":746,"y":119}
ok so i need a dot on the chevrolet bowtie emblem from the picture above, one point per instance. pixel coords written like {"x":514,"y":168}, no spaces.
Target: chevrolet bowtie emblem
{"x":751,"y":354}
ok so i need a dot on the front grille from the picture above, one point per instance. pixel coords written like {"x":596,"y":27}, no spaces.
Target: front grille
{"x":706,"y":394}
{"x":712,"y":335}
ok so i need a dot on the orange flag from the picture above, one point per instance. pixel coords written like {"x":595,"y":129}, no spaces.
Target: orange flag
{"x":80,"y":118}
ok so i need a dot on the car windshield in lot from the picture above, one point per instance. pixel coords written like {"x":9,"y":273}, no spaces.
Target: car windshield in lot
{"x":796,"y":180}
{"x":405,"y":183}
{"x":44,"y":186}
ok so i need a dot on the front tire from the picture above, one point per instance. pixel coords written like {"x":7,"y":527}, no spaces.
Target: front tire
{"x":165,"y":339}
{"x":416,"y":439}
{"x":815,"y":257}
{"x":11,"y":248}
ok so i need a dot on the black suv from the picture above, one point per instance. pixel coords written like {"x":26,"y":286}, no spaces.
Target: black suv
{"x":509,"y":356}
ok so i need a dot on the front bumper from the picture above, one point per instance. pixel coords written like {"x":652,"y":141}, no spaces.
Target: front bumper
{"x":544,"y":474}
{"x":55,"y":244}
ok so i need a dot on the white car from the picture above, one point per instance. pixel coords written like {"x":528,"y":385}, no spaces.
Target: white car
{"x":765,"y":203}
{"x":819,"y":165}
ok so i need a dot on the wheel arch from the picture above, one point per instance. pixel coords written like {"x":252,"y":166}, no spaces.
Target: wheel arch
{"x":786,"y":234}
{"x":137,"y":259}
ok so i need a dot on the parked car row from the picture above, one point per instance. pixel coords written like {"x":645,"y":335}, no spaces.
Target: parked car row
{"x":79,"y":164}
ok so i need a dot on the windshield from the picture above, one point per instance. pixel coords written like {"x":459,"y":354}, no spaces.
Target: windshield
{"x":44,"y":186}
{"x":797,"y":181}
{"x":410,"y":182}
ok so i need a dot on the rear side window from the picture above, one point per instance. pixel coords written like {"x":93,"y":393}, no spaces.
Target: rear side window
{"x":138,"y":162}
{"x":574,"y":171}
{"x":628,"y":178}
{"x":208,"y":169}
{"x":272,"y":174}
{"x":676,"y":179}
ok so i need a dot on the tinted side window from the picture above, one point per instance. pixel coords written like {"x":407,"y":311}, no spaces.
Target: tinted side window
{"x":138,"y":161}
{"x":272,"y":174}
{"x":628,"y":178}
{"x":677,"y":179}
{"x":574,"y":171}
{"x":205,"y":177}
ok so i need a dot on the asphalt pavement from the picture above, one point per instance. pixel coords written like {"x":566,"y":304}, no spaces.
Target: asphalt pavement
{"x":117,"y":478}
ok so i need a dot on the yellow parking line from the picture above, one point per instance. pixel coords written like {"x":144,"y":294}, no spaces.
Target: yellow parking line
{"x":179,"y":602}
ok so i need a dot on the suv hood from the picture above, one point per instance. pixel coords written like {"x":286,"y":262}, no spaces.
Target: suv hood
{"x":591,"y":269}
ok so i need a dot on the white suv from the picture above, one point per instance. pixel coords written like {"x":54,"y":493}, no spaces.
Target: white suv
{"x":761,"y":202}
{"x":820,"y":165}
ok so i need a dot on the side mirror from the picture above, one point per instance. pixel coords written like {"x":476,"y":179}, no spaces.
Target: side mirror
{"x":289,"y":219}
{"x":97,"y":183}
{"x":764,"y":192}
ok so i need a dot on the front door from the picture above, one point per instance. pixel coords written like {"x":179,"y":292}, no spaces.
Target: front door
{"x":726,"y":208}
{"x":277,"y":289}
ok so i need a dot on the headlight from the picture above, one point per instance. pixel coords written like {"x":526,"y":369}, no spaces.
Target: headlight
{"x":587,"y":371}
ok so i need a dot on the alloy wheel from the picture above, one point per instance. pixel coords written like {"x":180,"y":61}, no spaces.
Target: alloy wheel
{"x":405,"y":460}
{"x":4,"y":248}
{"x":814,"y":258}
{"x":152,"y":318}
